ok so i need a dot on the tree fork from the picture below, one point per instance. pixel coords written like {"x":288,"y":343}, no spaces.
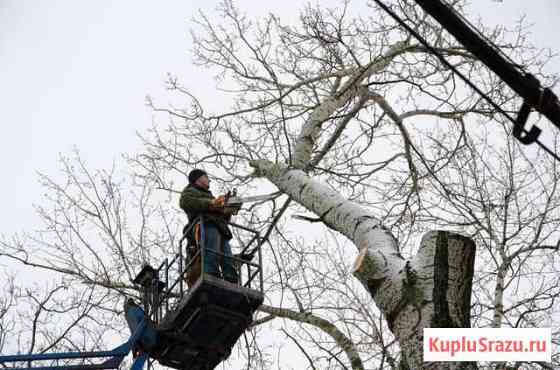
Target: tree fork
{"x":433,"y":288}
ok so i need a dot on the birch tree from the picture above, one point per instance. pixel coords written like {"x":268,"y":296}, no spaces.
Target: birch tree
{"x":314,"y":109}
{"x":369,"y":143}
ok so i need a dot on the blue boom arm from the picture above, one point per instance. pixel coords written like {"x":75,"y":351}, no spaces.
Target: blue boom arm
{"x":113,"y":358}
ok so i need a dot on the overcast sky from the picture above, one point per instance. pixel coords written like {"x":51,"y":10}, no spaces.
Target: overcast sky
{"x":75,"y":73}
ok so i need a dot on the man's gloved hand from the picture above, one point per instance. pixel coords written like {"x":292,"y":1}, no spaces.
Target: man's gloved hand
{"x":218,"y":204}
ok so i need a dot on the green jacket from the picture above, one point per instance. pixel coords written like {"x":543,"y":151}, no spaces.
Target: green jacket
{"x":196,"y":201}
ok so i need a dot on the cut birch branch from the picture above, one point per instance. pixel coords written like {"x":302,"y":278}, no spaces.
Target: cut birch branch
{"x":348,"y":218}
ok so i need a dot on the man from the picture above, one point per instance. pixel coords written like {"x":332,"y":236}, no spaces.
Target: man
{"x":196,"y":200}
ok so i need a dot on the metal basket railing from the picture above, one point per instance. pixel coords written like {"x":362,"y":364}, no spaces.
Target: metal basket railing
{"x":168,"y":282}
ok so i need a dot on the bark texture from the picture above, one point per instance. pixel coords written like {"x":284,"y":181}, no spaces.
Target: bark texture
{"x":433,"y":289}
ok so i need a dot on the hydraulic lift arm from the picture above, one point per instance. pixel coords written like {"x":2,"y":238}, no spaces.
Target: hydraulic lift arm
{"x":111,"y":359}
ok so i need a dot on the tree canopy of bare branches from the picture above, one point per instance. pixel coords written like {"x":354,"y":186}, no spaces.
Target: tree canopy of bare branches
{"x":404,"y":202}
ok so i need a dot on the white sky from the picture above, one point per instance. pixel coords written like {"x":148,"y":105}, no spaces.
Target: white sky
{"x":75,"y":73}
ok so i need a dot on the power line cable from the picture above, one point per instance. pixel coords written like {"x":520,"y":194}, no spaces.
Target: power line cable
{"x":482,"y":36}
{"x":457,"y":72}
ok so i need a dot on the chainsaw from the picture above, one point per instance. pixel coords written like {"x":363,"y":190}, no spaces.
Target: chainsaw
{"x":232,"y":200}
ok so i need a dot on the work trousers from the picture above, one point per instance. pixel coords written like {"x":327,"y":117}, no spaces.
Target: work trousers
{"x":216,"y":243}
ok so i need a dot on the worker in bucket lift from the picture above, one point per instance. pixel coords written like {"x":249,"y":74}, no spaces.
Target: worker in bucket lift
{"x":196,"y":199}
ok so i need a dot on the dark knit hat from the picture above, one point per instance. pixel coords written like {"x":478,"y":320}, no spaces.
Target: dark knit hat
{"x":195,"y":175}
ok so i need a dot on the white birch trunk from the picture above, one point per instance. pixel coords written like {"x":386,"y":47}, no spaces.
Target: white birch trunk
{"x":499,"y":298}
{"x":431,"y":290}
{"x":309,"y":134}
